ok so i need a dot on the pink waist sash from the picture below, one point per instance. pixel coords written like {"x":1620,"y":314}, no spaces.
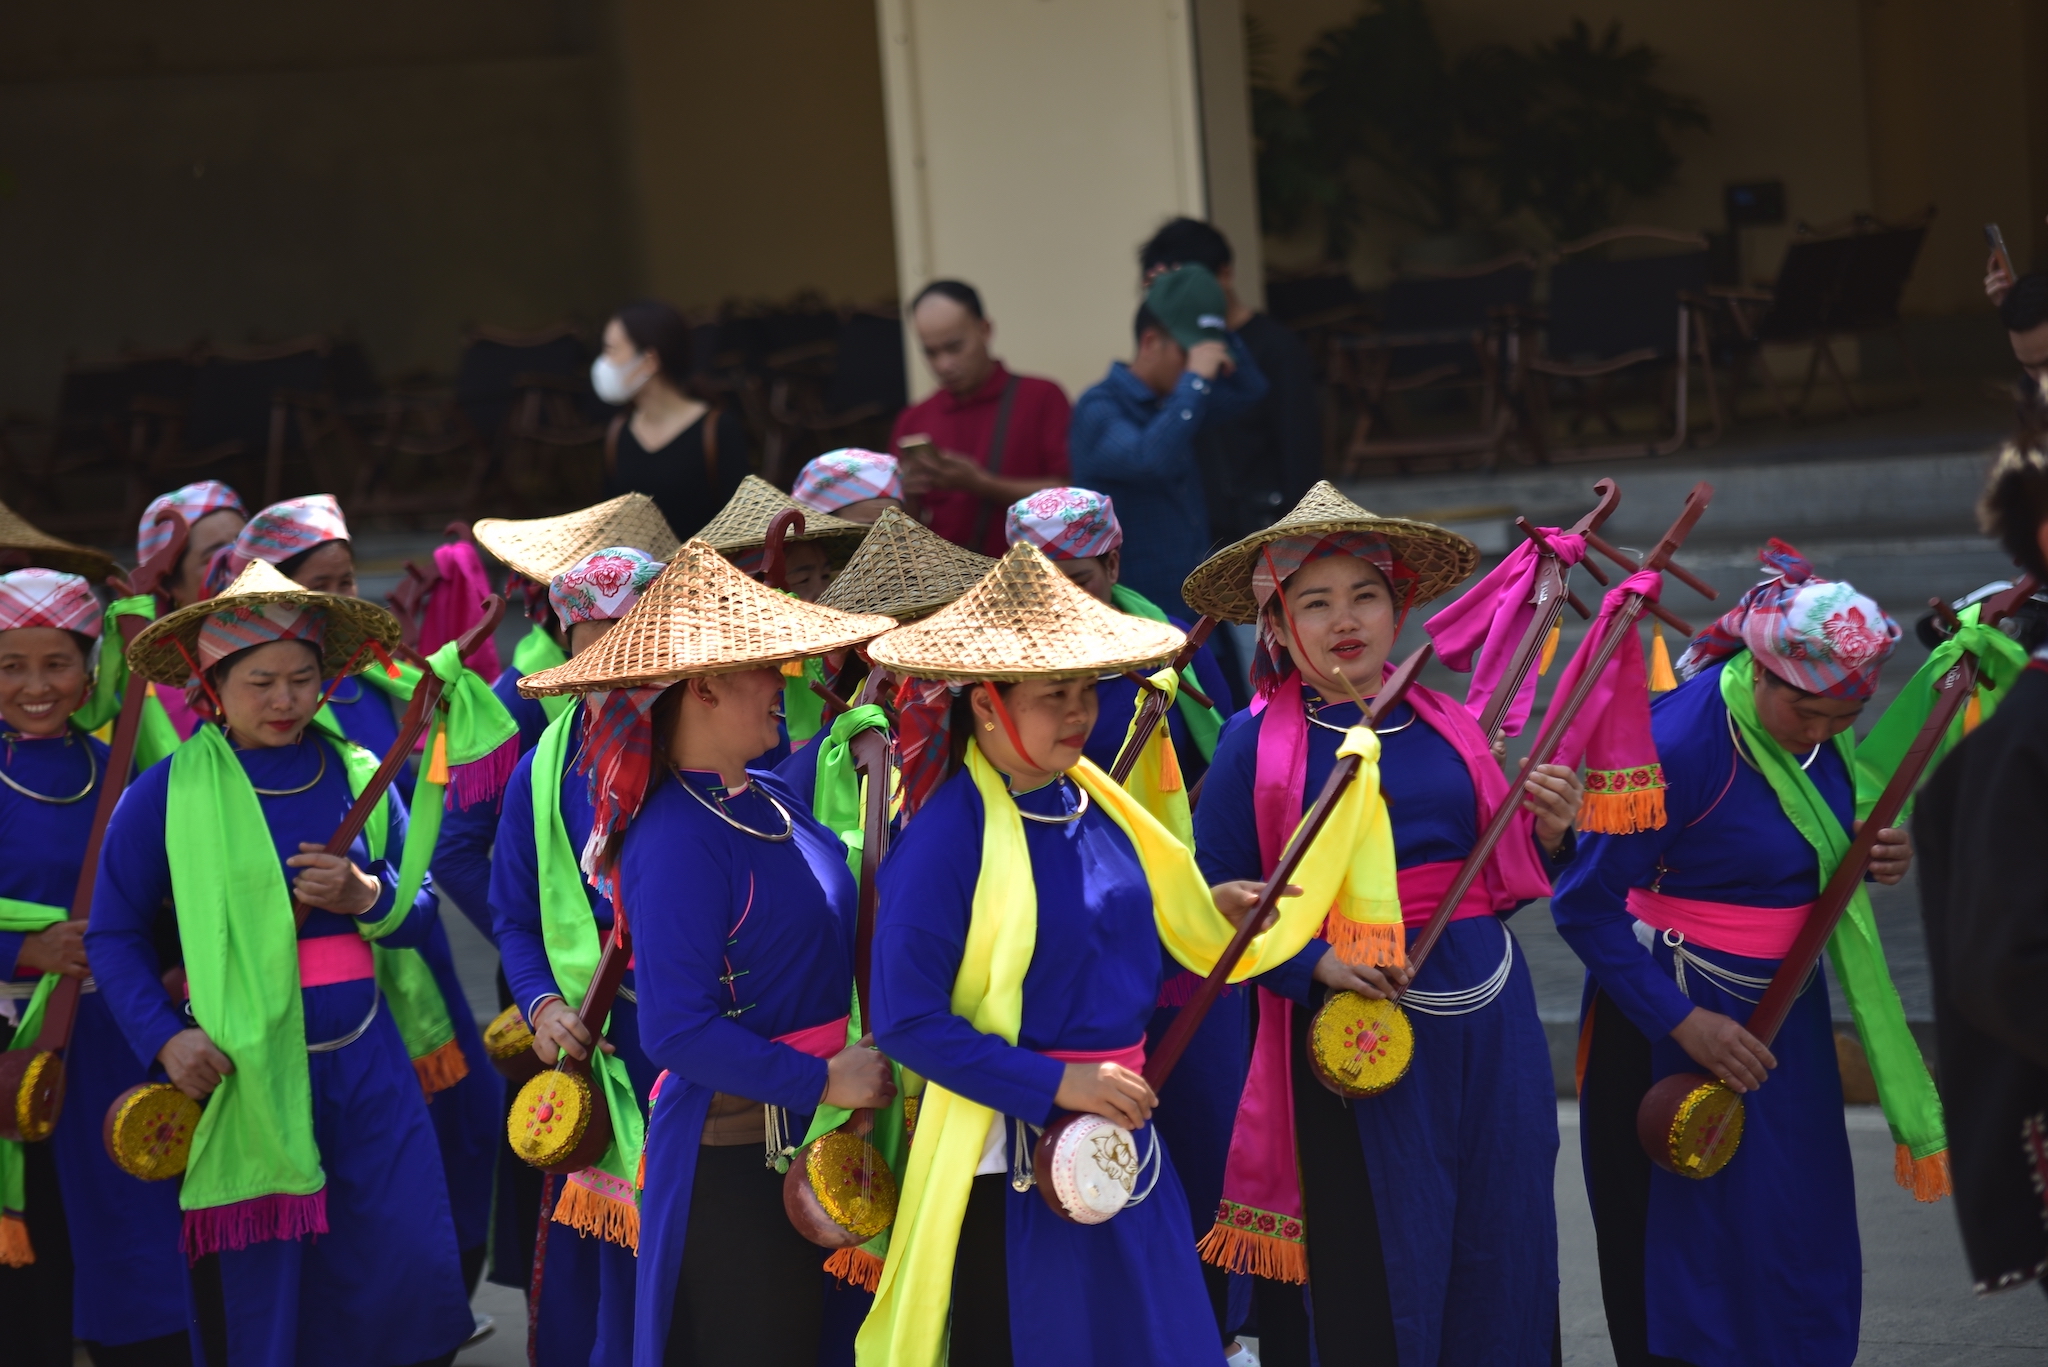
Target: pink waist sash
{"x":1422,"y":886}
{"x":330,"y":959}
{"x":1131,"y":1056}
{"x":819,"y":1041}
{"x":1753,"y":932}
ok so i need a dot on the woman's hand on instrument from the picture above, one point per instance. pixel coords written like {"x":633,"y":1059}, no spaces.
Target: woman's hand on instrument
{"x":857,"y":1077}
{"x":331,"y":883}
{"x":1364,"y":979}
{"x":1236,"y":899}
{"x":1720,"y":1045}
{"x":195,"y":1066}
{"x":1891,"y":856}
{"x":1553,"y":792}
{"x":1109,"y":1090}
{"x":54,"y":949}
{"x":557,"y":1029}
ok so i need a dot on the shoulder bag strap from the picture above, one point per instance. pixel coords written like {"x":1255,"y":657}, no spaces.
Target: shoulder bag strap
{"x":996,"y":443}
{"x":611,"y":443}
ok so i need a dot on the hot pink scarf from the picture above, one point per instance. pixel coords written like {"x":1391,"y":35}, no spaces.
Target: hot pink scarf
{"x":1624,"y":781}
{"x":1259,"y":1226}
{"x":1497,"y":610}
{"x":456,"y":604}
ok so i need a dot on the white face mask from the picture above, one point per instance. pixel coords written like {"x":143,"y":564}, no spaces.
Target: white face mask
{"x":608,"y":378}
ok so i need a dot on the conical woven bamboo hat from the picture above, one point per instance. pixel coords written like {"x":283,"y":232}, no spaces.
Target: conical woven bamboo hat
{"x":351,"y":622}
{"x":542,"y":547}
{"x":1025,"y":620}
{"x":702,"y":616}
{"x":904,"y":570}
{"x":17,"y":533}
{"x":742,"y":524}
{"x":1439,"y":560}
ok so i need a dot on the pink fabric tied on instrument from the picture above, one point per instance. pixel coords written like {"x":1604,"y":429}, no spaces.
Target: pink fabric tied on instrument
{"x":457,"y":604}
{"x":1752,"y":932}
{"x":326,"y":960}
{"x":1131,"y":1056}
{"x":1498,"y":610}
{"x":1259,"y":1223}
{"x":819,"y":1041}
{"x":1624,"y":781}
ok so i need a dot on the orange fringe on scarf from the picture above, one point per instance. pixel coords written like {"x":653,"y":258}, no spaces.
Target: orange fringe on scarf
{"x":441,"y":1069}
{"x":1550,"y":648}
{"x":1927,"y":1178}
{"x":1639,"y":809}
{"x":1662,"y":680}
{"x":591,"y":1212}
{"x":1244,"y":1250}
{"x":856,"y":1267}
{"x":15,"y":1249}
{"x":1169,"y":765}
{"x":1380,"y":944}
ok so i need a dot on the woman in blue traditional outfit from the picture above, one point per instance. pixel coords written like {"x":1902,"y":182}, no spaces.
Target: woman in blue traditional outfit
{"x":125,"y":1294}
{"x":1681,"y":928}
{"x":536,"y":550}
{"x":744,"y":983}
{"x":583,"y":1281}
{"x":314,"y":1202}
{"x":1026,"y":914}
{"x":308,"y":541}
{"x":1425,"y":1211}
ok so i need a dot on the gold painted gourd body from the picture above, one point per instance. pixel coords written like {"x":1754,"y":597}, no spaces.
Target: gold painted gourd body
{"x":1706,"y":1131}
{"x":1360,"y":1046}
{"x":549,"y":1116}
{"x":149,"y":1131}
{"x":852,"y":1183}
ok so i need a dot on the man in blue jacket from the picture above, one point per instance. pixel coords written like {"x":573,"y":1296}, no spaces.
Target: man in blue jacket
{"x":1133,"y":435}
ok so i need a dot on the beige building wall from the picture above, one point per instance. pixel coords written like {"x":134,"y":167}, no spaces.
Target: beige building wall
{"x":1033,"y":146}
{"x":1783,"y":83}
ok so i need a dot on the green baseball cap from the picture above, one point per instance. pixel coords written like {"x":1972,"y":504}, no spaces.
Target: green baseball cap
{"x":1190,"y":303}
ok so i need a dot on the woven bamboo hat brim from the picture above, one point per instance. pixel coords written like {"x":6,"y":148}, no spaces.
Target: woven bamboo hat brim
{"x":1440,"y":560}
{"x":1025,"y":620}
{"x":17,"y":533}
{"x":742,"y":524}
{"x":542,"y":547}
{"x":702,"y":616}
{"x":904,"y":570}
{"x":350,"y":623}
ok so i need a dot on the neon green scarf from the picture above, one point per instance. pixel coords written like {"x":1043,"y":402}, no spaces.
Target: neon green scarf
{"x":1204,"y":724}
{"x":157,"y":736}
{"x":602,"y":1200}
{"x":1350,"y":868}
{"x":22,"y":918}
{"x":538,"y":650}
{"x":2000,"y":662}
{"x":1905,"y":1091}
{"x":803,"y":711}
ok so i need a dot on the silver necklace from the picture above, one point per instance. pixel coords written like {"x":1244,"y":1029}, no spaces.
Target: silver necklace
{"x":788,"y":823}
{"x":1316,"y":720}
{"x":1743,"y":750}
{"x":92,"y":776}
{"x":318,"y":774}
{"x":1066,"y":819}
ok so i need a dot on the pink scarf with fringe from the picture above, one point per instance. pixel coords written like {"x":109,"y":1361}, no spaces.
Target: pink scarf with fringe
{"x":1624,"y":780}
{"x":1259,"y":1226}
{"x":1498,"y":609}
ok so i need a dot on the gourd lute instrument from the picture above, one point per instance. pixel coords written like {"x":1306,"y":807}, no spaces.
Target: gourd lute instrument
{"x":148,"y":1128}
{"x":1359,"y":1046}
{"x":839,"y":1191}
{"x":32,"y":1080}
{"x":1691,"y":1124}
{"x":559,"y":1121}
{"x":1087,"y":1165}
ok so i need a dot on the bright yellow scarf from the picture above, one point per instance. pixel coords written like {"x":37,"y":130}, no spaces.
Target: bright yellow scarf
{"x":1349,"y":868}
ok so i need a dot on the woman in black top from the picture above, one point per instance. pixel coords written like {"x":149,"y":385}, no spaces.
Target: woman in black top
{"x":679,"y":451}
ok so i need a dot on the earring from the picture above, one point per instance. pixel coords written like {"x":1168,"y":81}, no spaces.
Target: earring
{"x":988,"y":726}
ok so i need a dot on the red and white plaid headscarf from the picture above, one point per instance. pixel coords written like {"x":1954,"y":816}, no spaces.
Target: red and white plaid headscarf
{"x":285,"y":529}
{"x":1277,"y":562}
{"x":1065,"y":523}
{"x":1816,"y":634}
{"x":842,"y":478}
{"x":239,"y":626}
{"x":192,"y":502}
{"x":618,"y":754}
{"x":45,"y":598}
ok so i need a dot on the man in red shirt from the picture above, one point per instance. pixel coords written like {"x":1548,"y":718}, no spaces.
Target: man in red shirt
{"x":994,"y":437}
